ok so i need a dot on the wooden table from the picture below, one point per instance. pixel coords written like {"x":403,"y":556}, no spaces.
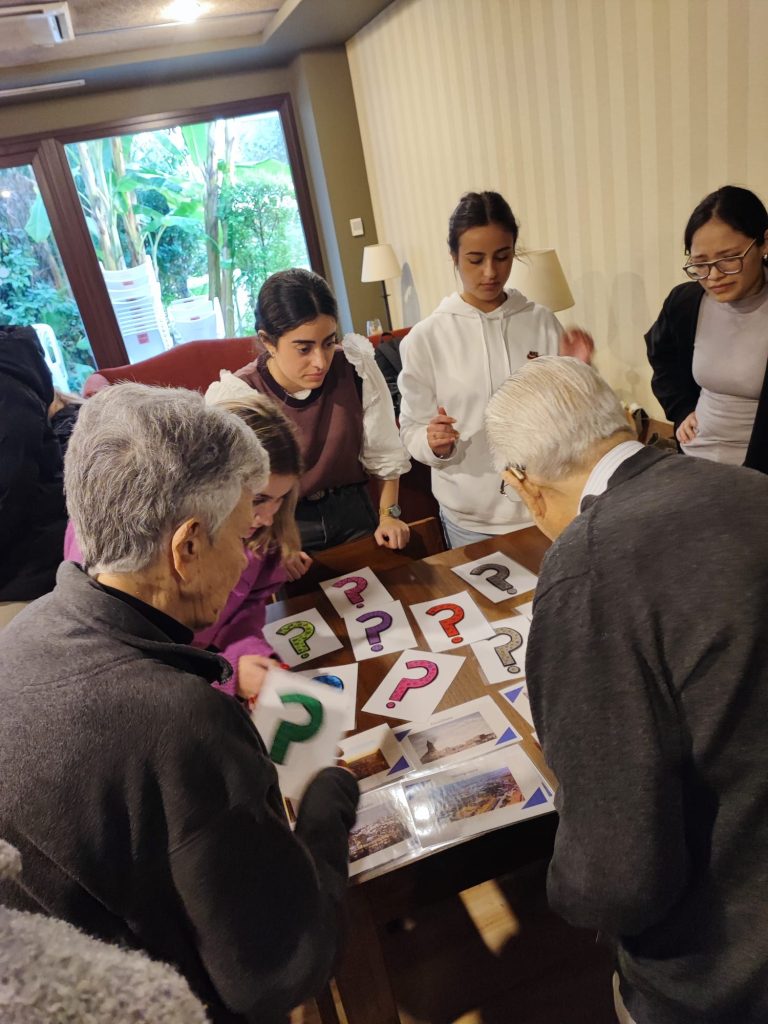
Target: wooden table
{"x":361,"y":975}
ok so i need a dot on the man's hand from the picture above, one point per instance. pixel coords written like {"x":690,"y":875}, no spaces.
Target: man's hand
{"x":441,"y":436}
{"x":392,"y":533}
{"x":296,"y":565}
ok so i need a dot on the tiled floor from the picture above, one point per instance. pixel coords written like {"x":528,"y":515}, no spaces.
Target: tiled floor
{"x":498,"y":955}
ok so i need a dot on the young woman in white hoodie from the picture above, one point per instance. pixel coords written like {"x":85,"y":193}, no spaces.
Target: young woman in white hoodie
{"x":456,"y":358}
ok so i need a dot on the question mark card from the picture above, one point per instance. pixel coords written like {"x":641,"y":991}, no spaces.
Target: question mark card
{"x":343,"y":678}
{"x":300,"y":638}
{"x":359,"y":589}
{"x":382,"y":629}
{"x":469,"y":729}
{"x":414,"y":686}
{"x":502,"y":655}
{"x":374,"y":757}
{"x":497,"y":577}
{"x":450,"y":622}
{"x":301,"y":723}
{"x":525,"y":609}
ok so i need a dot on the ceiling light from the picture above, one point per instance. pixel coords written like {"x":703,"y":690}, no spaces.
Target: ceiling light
{"x":184,"y":10}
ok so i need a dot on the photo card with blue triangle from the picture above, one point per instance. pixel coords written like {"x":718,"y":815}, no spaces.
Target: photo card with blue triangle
{"x":470,"y":797}
{"x":466,"y":730}
{"x":375,"y":757}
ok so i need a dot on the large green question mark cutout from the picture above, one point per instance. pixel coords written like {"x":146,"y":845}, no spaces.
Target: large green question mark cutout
{"x":290,"y":732}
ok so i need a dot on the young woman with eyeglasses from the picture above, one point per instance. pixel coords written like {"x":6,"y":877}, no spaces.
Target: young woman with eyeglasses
{"x":709,"y":346}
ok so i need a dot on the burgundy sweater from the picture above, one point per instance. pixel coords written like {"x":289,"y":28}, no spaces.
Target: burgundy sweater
{"x":329,"y":422}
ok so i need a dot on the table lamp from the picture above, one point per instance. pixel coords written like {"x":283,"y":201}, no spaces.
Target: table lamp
{"x":380,"y":264}
{"x":539,"y":276}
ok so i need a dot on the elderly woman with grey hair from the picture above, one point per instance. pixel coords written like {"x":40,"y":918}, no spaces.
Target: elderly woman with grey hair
{"x":142,"y":800}
{"x":647,"y":667}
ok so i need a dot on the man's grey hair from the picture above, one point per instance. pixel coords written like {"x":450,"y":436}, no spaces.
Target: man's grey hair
{"x":142,"y":460}
{"x":548,"y":416}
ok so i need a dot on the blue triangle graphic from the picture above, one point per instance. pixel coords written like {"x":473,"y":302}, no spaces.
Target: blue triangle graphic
{"x":534,"y":801}
{"x":401,"y":765}
{"x":512,"y":695}
{"x":508,"y":735}
{"x":401,"y":735}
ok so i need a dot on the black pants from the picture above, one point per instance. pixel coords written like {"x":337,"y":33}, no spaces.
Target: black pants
{"x":344,"y":513}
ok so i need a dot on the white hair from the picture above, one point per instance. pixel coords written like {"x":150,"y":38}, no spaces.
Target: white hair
{"x":548,"y":416}
{"x":142,"y":460}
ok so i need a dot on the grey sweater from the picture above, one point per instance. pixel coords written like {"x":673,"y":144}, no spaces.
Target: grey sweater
{"x":648,"y":675}
{"x":148,"y":814}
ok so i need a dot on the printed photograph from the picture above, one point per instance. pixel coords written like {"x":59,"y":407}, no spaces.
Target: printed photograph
{"x":377,"y":828}
{"x":471,"y":795}
{"x":451,"y":737}
{"x":364,"y":765}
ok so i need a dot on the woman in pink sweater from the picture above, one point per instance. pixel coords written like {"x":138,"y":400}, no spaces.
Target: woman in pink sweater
{"x":273,"y":552}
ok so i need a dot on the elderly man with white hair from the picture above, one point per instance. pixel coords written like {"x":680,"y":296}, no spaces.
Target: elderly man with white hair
{"x":648,"y":674}
{"x":142,"y":799}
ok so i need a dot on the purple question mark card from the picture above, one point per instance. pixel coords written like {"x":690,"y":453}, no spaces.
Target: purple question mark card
{"x":379,"y":629}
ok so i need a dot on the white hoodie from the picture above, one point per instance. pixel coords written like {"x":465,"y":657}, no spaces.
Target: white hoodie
{"x":457,"y":358}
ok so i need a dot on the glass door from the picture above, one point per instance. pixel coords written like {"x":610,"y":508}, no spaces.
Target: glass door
{"x":34,"y":288}
{"x":187,"y":222}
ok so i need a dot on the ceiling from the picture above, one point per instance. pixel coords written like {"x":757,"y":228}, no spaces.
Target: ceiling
{"x":120,"y":43}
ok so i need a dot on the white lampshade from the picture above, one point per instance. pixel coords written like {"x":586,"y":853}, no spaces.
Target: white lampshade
{"x":539,"y":276}
{"x":379,"y":263}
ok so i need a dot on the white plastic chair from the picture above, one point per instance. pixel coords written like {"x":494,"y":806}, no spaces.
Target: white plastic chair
{"x":53,"y":356}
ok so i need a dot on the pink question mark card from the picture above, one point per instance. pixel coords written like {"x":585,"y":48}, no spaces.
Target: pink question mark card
{"x":359,"y":589}
{"x":414,"y":686}
{"x":379,"y":629}
{"x":450,"y":622}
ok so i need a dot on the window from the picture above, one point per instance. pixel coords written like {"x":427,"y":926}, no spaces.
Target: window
{"x":34,"y":288}
{"x":188,"y":222}
{"x":152,"y":231}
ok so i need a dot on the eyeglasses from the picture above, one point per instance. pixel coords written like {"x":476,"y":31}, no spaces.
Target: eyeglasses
{"x":727,"y":265}
{"x":519,"y":473}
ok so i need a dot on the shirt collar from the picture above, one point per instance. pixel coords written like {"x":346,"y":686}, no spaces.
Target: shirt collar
{"x":602,"y":471}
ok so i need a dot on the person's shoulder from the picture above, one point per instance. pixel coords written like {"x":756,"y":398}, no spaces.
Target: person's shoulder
{"x":684,"y":298}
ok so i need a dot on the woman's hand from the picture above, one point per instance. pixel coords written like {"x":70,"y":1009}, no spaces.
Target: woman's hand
{"x":578,"y":343}
{"x":251,"y":672}
{"x":441,"y":437}
{"x":392,"y":533}
{"x":688,"y":429}
{"x":296,"y":565}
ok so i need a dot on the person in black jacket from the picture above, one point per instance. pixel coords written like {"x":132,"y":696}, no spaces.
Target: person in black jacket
{"x":389,"y":361}
{"x":141,"y":799}
{"x":709,"y":346}
{"x":32,"y":510}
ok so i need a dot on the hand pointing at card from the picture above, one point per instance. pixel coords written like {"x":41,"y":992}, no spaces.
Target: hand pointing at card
{"x":441,"y":436}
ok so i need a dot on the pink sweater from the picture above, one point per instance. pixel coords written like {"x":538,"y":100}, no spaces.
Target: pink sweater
{"x":239,"y":628}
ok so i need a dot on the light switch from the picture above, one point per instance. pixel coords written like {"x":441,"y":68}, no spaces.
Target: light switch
{"x":356,"y":225}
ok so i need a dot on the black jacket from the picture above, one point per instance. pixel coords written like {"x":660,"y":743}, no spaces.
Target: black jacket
{"x":670,"y":345}
{"x":148,"y":814}
{"x":651,"y":712}
{"x":32,"y":510}
{"x":389,"y":361}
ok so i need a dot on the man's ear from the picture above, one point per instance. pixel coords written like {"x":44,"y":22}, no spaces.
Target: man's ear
{"x":186,"y":547}
{"x":529,"y":492}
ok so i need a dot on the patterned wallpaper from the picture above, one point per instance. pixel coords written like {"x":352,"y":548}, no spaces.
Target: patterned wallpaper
{"x":603,"y":122}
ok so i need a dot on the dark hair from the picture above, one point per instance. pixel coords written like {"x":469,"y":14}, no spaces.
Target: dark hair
{"x":475,"y":210}
{"x":291,"y":298}
{"x":739,"y":208}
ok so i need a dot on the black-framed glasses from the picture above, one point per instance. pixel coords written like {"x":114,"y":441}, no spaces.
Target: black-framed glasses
{"x":726,"y":265}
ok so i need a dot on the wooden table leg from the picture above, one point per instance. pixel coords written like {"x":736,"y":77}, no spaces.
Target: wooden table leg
{"x":361,"y":975}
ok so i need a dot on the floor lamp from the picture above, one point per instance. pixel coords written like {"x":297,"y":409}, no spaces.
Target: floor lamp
{"x":380,"y":264}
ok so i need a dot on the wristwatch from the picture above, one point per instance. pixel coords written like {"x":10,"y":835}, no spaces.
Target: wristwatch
{"x":394,"y":512}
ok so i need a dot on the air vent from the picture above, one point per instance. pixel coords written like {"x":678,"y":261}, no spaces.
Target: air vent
{"x":34,"y":25}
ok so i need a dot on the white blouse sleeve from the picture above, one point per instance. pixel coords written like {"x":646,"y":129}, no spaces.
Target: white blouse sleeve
{"x":382,"y":453}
